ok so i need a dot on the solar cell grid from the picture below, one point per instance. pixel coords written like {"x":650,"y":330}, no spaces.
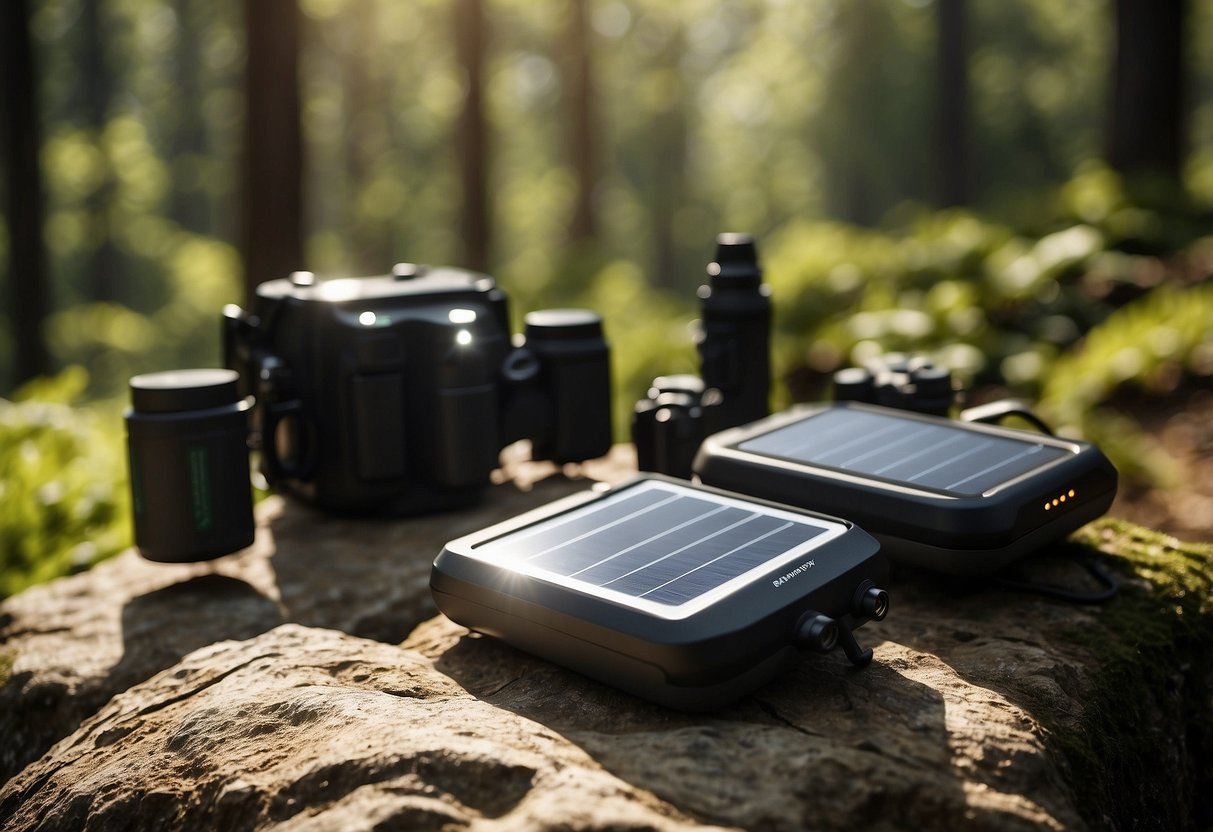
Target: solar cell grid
{"x":658,"y":543}
{"x":937,"y":456}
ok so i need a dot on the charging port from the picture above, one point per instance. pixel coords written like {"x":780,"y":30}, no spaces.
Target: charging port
{"x":871,"y":602}
{"x":817,"y":632}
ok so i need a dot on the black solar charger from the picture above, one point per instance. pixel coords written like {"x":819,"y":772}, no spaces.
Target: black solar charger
{"x":685,"y":595}
{"x":956,"y":497}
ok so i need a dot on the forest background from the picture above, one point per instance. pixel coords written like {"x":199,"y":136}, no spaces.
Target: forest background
{"x":1023,"y":189}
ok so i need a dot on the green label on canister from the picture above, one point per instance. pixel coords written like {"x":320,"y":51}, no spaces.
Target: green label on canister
{"x":136,"y":482}
{"x":202,"y":503}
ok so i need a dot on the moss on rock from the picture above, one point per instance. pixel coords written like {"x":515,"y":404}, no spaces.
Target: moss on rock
{"x":1148,"y":708}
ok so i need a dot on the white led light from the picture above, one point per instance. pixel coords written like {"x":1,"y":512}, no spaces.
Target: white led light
{"x":463,"y":337}
{"x":461,"y":316}
{"x":367,"y":318}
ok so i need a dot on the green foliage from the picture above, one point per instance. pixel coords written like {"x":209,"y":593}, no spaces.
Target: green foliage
{"x":115,"y":341}
{"x":63,"y":498}
{"x":992,"y":305}
{"x":1151,"y":346}
{"x":1151,"y":343}
{"x":649,"y":331}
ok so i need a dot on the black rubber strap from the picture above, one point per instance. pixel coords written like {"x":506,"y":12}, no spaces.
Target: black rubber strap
{"x":993,"y":413}
{"x":1095,"y":567}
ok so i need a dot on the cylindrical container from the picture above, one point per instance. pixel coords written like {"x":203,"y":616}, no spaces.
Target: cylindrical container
{"x":735,"y":340}
{"x":187,"y":435}
{"x":575,"y":371}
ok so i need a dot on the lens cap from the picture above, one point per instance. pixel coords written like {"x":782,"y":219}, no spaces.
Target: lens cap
{"x":680,"y":383}
{"x":178,"y":391}
{"x":736,"y":261}
{"x":562,"y":325}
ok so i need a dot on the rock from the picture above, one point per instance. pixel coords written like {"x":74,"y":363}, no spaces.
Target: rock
{"x":312,"y":729}
{"x":904,"y":743}
{"x":70,"y":645}
{"x":984,"y":709}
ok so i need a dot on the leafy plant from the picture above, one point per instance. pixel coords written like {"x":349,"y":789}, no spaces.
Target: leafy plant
{"x":1151,"y":346}
{"x":63,"y":496}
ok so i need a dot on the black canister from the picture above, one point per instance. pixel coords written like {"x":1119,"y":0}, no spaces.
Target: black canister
{"x":735,"y":337}
{"x":187,"y":434}
{"x":575,"y":367}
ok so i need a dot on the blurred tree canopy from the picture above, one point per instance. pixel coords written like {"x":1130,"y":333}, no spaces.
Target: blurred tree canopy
{"x":556,"y":143}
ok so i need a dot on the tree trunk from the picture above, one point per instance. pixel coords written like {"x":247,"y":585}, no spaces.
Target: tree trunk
{"x":28,"y":290}
{"x":188,"y":204}
{"x":97,"y":90}
{"x":850,"y":191}
{"x":1148,"y":120}
{"x":470,"y":44}
{"x":273,"y":143}
{"x":366,"y":140}
{"x":579,"y":94}
{"x":951,"y":108}
{"x":668,"y":159}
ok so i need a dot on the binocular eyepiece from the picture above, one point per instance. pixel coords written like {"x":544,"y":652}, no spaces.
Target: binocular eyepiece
{"x":905,"y":382}
{"x":734,"y":362}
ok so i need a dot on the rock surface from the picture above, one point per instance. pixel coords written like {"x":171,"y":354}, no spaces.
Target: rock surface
{"x":324,"y":730}
{"x":984,"y":709}
{"x":312,"y":729}
{"x":71,"y":644}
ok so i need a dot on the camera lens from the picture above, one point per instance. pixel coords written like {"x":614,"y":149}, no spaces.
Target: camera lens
{"x":187,"y":439}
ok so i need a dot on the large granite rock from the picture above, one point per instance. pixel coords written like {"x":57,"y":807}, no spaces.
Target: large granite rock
{"x":984,"y":709}
{"x":67,"y":646}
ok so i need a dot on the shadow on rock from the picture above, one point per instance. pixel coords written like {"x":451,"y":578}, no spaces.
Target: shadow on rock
{"x":369,"y":576}
{"x":824,"y":746}
{"x":160,"y":627}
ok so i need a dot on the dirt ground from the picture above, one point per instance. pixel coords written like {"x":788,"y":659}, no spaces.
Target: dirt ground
{"x":1183,"y":427}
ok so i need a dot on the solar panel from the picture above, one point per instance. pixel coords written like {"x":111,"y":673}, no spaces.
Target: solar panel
{"x":925,"y":454}
{"x":676,"y":592}
{"x":953,"y":496}
{"x":659,"y":546}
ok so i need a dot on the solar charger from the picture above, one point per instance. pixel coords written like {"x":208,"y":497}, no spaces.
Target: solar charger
{"x":957,"y":497}
{"x":685,"y":595}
